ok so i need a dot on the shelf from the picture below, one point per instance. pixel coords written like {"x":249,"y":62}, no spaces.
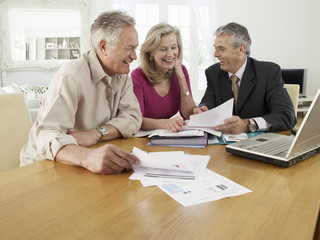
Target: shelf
{"x":62,"y":48}
{"x":304,"y":104}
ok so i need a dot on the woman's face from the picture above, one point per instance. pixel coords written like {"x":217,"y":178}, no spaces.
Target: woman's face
{"x":166,"y":53}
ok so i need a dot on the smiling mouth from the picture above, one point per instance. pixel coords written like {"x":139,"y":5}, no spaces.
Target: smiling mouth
{"x":126,"y":62}
{"x":168,"y":60}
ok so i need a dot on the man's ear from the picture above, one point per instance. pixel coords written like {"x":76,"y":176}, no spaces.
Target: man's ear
{"x":242,"y":49}
{"x":103,"y":46}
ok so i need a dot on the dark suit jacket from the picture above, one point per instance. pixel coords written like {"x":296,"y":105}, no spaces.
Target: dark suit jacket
{"x":261,"y":94}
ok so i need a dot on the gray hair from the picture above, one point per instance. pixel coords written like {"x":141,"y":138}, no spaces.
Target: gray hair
{"x":108,"y":26}
{"x":239,"y":35}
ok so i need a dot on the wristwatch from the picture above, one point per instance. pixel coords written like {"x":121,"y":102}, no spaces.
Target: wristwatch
{"x":253,"y":127}
{"x":103,"y":131}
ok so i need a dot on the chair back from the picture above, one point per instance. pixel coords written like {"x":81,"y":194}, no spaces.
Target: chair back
{"x":15,"y":124}
{"x":293,"y":91}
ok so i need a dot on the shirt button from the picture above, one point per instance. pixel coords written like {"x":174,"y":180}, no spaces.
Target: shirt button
{"x":108,"y":89}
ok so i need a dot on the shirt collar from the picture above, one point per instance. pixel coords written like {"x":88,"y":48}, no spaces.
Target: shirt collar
{"x":96,"y":69}
{"x":109,"y":79}
{"x":240,"y":72}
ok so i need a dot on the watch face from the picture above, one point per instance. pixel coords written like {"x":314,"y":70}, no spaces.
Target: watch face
{"x":102,"y":130}
{"x":252,"y":125}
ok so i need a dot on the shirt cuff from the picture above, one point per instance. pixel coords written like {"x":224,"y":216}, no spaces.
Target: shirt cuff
{"x":263,"y":125}
{"x":57,"y":143}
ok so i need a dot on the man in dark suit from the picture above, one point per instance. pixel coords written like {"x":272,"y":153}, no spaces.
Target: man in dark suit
{"x":262,"y":103}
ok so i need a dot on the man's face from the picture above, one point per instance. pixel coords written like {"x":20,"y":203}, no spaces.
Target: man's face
{"x":231,"y":59}
{"x":117,"y":60}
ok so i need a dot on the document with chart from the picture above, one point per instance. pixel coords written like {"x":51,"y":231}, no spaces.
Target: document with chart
{"x":183,"y":177}
{"x":213,"y":187}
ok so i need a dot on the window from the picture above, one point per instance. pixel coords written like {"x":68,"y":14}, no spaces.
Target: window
{"x":146,"y":16}
{"x":196,"y":27}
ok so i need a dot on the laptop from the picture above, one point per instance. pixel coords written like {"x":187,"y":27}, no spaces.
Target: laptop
{"x":283,"y":150}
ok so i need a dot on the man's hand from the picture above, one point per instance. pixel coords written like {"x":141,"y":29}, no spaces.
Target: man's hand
{"x":86,"y":138}
{"x":108,"y":159}
{"x":201,"y":109}
{"x":175,"y":124}
{"x":234,"y":125}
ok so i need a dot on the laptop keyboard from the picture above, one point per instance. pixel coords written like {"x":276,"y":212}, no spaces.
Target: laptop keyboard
{"x":274,"y":147}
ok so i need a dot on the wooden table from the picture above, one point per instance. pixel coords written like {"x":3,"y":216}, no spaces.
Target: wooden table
{"x":49,"y":200}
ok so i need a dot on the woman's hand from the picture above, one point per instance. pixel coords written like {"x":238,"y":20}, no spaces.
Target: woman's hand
{"x":178,"y":68}
{"x":175,"y":124}
{"x":201,"y":109}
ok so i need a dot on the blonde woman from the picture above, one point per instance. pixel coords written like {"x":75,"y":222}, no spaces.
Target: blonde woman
{"x":161,"y":83}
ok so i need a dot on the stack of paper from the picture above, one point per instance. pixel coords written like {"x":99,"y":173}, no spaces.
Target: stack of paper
{"x":235,"y":137}
{"x":186,"y":141}
{"x":185,"y":138}
{"x":167,"y":133}
{"x":158,"y":167}
{"x":183,"y":177}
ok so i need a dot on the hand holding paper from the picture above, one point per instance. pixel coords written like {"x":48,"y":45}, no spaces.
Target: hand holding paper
{"x":168,"y":163}
{"x":212,"y":117}
{"x":208,"y":120}
{"x":204,"y":121}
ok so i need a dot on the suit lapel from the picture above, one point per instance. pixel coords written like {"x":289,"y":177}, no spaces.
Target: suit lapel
{"x":248,"y":82}
{"x":225,"y":86}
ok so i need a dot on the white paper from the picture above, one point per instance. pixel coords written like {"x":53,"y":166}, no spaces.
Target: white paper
{"x":212,"y":117}
{"x":211,"y":131}
{"x":167,"y":133}
{"x":153,"y":175}
{"x":142,"y":133}
{"x":169,"y":162}
{"x":213,"y":187}
{"x":198,"y":123}
{"x":188,"y":188}
{"x":212,"y":140}
{"x":235,"y":137}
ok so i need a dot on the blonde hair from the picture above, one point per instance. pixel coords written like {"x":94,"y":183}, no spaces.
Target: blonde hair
{"x":151,"y":42}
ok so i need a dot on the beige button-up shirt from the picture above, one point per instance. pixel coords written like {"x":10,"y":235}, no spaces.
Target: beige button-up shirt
{"x":81,"y":98}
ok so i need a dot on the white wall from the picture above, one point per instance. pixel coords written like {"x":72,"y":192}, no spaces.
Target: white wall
{"x":282,"y":31}
{"x":97,"y":7}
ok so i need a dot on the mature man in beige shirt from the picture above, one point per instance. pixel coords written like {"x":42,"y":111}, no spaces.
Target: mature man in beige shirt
{"x":90,"y":100}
